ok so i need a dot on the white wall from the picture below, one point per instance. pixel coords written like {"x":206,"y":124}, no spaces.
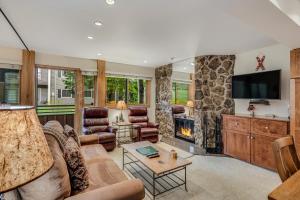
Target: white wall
{"x":277,"y":57}
{"x":14,"y":56}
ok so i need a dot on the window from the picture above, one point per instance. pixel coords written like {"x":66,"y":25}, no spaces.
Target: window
{"x":132,"y":91}
{"x":9,"y":86}
{"x":89,"y":89}
{"x":180,"y":93}
{"x":53,"y":90}
{"x":66,"y":94}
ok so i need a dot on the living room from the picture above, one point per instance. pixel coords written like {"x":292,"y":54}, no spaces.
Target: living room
{"x":110,"y":100}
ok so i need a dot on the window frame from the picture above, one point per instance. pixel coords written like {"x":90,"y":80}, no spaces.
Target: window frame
{"x":19,"y":82}
{"x":58,"y":68}
{"x":147,"y":92}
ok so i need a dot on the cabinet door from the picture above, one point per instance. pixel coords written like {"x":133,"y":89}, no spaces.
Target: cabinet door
{"x":261,"y":151}
{"x":238,"y":145}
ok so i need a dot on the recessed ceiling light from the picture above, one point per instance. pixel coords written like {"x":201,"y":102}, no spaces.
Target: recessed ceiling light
{"x":145,"y":61}
{"x":99,"y":54}
{"x":90,"y":37}
{"x":184,"y":68}
{"x":110,"y":2}
{"x":98,"y":23}
{"x":193,"y":64}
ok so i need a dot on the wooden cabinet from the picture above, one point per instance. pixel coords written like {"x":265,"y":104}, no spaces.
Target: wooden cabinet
{"x":249,"y":139}
{"x":238,"y":145}
{"x":261,"y":151}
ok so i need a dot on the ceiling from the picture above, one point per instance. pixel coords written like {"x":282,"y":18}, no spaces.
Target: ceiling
{"x":136,"y":31}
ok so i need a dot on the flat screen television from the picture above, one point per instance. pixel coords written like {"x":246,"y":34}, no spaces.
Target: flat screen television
{"x":262,"y":85}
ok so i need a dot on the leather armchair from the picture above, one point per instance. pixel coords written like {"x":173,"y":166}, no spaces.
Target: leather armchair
{"x":95,"y":122}
{"x":178,"y":111}
{"x":146,"y":130}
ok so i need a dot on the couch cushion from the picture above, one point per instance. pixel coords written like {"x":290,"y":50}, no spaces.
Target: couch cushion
{"x":95,"y":129}
{"x":93,"y":151}
{"x":55,"y":184}
{"x":105,"y":137}
{"x":95,"y":122}
{"x":104,"y":172}
{"x":95,"y":112}
{"x":76,"y":166}
{"x":70,"y":132}
{"x":138,"y":119}
{"x":137,"y":111}
{"x":149,"y":131}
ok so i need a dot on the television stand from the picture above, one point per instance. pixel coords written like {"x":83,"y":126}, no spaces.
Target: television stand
{"x":259,"y":101}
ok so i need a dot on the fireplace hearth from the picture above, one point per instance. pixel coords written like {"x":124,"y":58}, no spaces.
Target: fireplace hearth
{"x":184,"y":129}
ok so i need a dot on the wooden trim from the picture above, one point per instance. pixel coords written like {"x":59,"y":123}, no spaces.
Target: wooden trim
{"x":27,"y":78}
{"x":79,"y":100}
{"x":295,"y":63}
{"x":57,"y":67}
{"x":192,"y":88}
{"x":148,"y":93}
{"x":101,"y":84}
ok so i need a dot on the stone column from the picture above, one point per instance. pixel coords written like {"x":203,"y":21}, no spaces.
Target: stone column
{"x":163,"y":110}
{"x":213,"y":91}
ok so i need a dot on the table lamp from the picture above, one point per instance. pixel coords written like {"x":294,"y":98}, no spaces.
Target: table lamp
{"x":24,"y":152}
{"x":121,"y":105}
{"x":190,"y":105}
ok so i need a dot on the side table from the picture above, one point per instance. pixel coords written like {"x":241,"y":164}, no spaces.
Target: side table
{"x":124,"y":133}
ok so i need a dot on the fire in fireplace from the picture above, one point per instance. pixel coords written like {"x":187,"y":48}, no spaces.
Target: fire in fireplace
{"x":184,"y":129}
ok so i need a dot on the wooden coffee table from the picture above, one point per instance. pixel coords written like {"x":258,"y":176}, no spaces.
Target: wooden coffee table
{"x":160,"y":174}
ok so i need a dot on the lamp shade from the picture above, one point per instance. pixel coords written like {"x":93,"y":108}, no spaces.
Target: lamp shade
{"x":121,"y":105}
{"x":190,"y":104}
{"x":24,"y":152}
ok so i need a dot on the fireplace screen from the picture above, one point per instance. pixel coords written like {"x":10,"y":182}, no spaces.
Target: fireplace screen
{"x":184,"y":129}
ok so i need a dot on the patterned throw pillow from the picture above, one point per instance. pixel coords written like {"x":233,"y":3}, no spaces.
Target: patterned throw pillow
{"x":70,"y":132}
{"x":76,"y":166}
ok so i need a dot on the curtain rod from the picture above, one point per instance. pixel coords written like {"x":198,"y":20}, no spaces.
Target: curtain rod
{"x":12,"y":26}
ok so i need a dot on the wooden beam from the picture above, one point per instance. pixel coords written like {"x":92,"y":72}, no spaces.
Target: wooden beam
{"x":294,"y":97}
{"x":295,"y":63}
{"x":79,"y":100}
{"x":148,"y":93}
{"x":28,"y":77}
{"x":192,"y":88}
{"x":101,"y":84}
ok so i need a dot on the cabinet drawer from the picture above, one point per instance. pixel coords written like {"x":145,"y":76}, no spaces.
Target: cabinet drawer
{"x":237,"y":123}
{"x":269,"y":127}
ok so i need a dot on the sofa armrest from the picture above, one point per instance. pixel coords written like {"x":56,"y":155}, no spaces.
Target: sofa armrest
{"x":89,"y":139}
{"x":130,"y":189}
{"x":153,"y":125}
{"x":112,"y":129}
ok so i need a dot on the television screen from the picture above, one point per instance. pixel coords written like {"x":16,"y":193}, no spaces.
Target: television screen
{"x":262,"y":85}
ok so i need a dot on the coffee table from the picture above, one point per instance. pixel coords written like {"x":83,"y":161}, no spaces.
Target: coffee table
{"x":160,"y":174}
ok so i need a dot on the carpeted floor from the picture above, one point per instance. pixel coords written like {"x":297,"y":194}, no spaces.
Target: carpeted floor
{"x":218,"y":178}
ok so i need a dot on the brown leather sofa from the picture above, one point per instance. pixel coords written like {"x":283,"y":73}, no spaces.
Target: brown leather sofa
{"x":178,"y":111}
{"x":106,"y":180}
{"x":95,"y":121}
{"x":146,"y":130}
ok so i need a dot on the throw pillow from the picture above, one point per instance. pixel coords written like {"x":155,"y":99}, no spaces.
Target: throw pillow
{"x":76,"y":166}
{"x":70,"y":132}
